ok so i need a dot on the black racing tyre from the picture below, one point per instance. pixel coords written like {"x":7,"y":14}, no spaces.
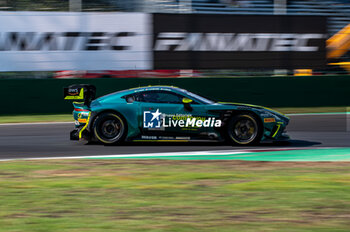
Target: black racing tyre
{"x":244,"y":129}
{"x":110,"y":128}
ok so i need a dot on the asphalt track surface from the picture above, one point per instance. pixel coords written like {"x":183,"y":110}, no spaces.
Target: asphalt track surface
{"x":52,"y":140}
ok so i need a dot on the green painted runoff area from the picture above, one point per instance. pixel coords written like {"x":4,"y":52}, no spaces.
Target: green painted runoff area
{"x":334,"y":154}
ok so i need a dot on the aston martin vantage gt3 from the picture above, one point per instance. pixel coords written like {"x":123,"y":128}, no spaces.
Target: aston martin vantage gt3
{"x":167,"y":113}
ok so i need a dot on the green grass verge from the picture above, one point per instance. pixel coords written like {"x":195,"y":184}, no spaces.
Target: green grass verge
{"x":177,"y":196}
{"x":68,"y":117}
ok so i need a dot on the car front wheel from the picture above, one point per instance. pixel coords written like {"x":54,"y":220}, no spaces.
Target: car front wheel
{"x":244,"y":129}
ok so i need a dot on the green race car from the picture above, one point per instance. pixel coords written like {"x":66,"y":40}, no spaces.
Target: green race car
{"x":167,"y":113}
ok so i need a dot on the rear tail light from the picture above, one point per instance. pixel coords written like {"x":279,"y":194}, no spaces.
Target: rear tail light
{"x":76,"y":109}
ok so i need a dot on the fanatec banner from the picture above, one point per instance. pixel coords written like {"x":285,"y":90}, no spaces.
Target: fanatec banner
{"x":206,"y":41}
{"x":53,"y":41}
{"x":43,"y":41}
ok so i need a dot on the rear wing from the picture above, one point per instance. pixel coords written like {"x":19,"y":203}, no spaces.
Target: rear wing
{"x":80,"y":92}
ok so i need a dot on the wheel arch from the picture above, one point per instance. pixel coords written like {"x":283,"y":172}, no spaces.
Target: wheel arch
{"x":228,"y":114}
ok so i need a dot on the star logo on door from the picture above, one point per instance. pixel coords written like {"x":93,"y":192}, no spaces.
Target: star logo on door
{"x":151,"y":119}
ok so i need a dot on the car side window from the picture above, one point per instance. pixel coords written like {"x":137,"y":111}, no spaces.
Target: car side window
{"x":155,"y":97}
{"x":160,"y":97}
{"x":132,"y":97}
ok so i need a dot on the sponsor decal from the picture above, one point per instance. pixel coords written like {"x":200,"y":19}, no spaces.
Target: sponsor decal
{"x":152,"y":89}
{"x":82,"y":117}
{"x":82,"y":120}
{"x":267,"y":120}
{"x":166,"y":137}
{"x":151,"y":119}
{"x":149,"y":137}
{"x":158,"y":120}
{"x":73,"y":92}
{"x":183,"y":138}
{"x":192,"y":122}
{"x":84,"y":114}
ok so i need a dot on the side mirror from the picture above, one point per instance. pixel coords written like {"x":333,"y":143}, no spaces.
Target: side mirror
{"x":186,"y":100}
{"x":187,"y":103}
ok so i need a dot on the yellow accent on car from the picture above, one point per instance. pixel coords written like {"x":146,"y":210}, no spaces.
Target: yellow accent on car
{"x":85,"y":126}
{"x":80,"y":96}
{"x":278,"y":128}
{"x":186,"y":100}
{"x":78,"y":103}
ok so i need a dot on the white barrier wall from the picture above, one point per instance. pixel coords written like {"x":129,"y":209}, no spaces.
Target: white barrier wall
{"x":52,"y":41}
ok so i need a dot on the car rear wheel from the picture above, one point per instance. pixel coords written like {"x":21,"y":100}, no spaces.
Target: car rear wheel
{"x":110,"y":128}
{"x":244,"y":129}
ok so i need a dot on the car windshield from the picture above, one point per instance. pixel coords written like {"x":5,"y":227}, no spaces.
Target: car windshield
{"x":198,"y":97}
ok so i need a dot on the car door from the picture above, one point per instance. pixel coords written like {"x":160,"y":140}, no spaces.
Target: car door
{"x":164,"y":114}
